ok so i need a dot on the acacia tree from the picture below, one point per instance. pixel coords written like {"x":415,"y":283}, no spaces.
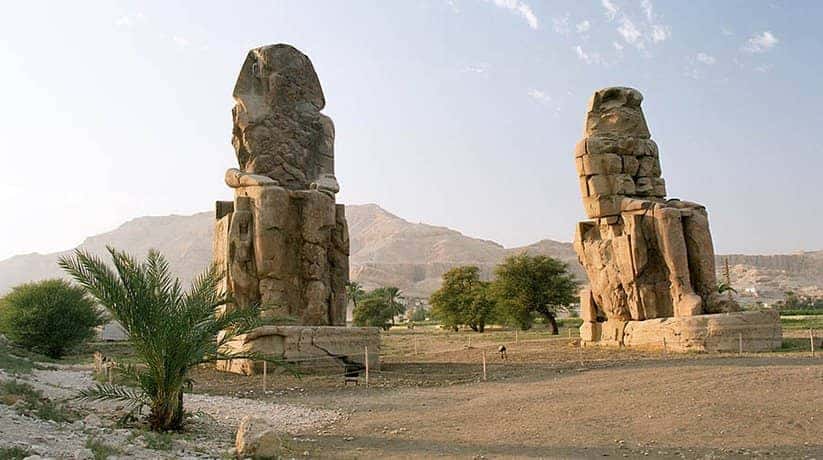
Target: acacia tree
{"x":463,"y":299}
{"x":170,"y":330}
{"x":534,"y":284}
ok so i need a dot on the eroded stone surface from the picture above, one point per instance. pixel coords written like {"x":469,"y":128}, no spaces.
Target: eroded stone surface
{"x":645,"y":256}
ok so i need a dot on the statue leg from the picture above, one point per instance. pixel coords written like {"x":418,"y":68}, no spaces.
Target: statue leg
{"x":673,"y":248}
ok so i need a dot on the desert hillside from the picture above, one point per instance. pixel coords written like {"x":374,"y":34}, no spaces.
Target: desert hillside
{"x":388,"y":250}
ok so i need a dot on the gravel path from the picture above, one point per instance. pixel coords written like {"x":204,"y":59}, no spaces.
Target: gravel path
{"x":211,"y":433}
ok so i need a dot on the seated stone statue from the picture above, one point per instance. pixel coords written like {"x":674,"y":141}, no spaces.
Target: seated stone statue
{"x":645,"y":256}
{"x":283,"y":241}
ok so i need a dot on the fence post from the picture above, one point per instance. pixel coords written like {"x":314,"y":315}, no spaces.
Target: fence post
{"x":740,"y":343}
{"x":265,"y":373}
{"x":665,"y":347}
{"x":367,"y":365}
{"x":484,"y":365}
{"x":811,"y":340}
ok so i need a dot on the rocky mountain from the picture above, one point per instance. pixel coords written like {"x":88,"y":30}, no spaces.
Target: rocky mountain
{"x":388,"y":250}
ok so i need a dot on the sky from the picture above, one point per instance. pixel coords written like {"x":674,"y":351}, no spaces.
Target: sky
{"x":460,"y":113}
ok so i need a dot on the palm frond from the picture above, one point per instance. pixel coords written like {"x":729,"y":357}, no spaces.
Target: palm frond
{"x":111,"y":392}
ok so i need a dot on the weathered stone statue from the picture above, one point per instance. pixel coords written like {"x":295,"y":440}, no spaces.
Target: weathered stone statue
{"x":283,"y":242}
{"x":645,"y":256}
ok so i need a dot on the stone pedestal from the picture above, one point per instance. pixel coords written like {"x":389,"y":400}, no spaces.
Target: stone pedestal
{"x":722,"y":332}
{"x":318,"y":348}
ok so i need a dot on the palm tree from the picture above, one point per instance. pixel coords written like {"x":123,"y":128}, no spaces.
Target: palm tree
{"x":354,"y":291}
{"x":392,"y":296}
{"x":171,"y":330}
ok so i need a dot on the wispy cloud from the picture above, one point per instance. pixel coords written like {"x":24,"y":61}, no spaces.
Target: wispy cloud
{"x":521,"y":9}
{"x":660,"y":33}
{"x":611,"y":9}
{"x":476,"y":68}
{"x":726,"y":32}
{"x":761,"y":43}
{"x":629,"y":31}
{"x":561,"y":25}
{"x":617,"y":46}
{"x":706,"y":59}
{"x":539,"y":96}
{"x":639,"y":28}
{"x":764,"y":68}
{"x":583,"y":26}
{"x":588,"y":58}
{"x":453,"y":5}
{"x":648,"y":8}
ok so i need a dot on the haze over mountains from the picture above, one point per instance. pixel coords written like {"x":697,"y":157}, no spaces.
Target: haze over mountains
{"x":388,"y":250}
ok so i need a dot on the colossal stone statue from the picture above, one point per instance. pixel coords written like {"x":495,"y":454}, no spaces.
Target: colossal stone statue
{"x":645,"y":256}
{"x":283,"y":242}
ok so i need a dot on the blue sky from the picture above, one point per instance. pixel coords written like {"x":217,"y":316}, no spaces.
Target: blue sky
{"x":461,"y":113}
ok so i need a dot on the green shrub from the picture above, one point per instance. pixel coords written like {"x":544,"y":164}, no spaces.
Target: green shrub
{"x":50,"y":317}
{"x":14,"y":453}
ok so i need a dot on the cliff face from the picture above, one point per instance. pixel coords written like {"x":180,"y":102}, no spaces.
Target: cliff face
{"x":388,"y":250}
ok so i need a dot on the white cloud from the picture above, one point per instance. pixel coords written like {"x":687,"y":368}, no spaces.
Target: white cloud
{"x":660,"y":33}
{"x":706,"y":59}
{"x":628,"y":31}
{"x":617,"y":46}
{"x":520,"y":8}
{"x":181,"y":42}
{"x":761,"y":43}
{"x":453,"y":5}
{"x":539,"y":96}
{"x":561,"y":25}
{"x":588,"y":58}
{"x":726,"y":32}
{"x":648,"y":9}
{"x":611,"y":9}
{"x":583,"y":26}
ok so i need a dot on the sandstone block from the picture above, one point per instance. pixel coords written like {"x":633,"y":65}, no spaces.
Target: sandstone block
{"x":603,"y":164}
{"x":580,"y":148}
{"x":630,"y":165}
{"x":659,"y":187}
{"x":600,"y":185}
{"x":601,"y":206}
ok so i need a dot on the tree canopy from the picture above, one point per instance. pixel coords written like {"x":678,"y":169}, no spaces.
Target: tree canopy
{"x":463,"y":299}
{"x":526,"y":284}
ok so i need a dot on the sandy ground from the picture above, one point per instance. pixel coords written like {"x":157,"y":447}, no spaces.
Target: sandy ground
{"x":703,"y":408}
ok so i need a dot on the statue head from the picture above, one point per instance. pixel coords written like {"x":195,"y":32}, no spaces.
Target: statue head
{"x":277,"y":78}
{"x":616,"y":111}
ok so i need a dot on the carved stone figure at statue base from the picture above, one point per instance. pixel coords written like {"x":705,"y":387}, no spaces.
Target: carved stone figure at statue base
{"x":645,"y":256}
{"x":283,"y":241}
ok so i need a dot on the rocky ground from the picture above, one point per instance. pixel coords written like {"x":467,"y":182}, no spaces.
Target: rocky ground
{"x":93,"y":430}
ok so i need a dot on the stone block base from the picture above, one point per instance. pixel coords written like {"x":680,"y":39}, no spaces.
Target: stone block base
{"x":316,"y":348}
{"x":759,"y":330}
